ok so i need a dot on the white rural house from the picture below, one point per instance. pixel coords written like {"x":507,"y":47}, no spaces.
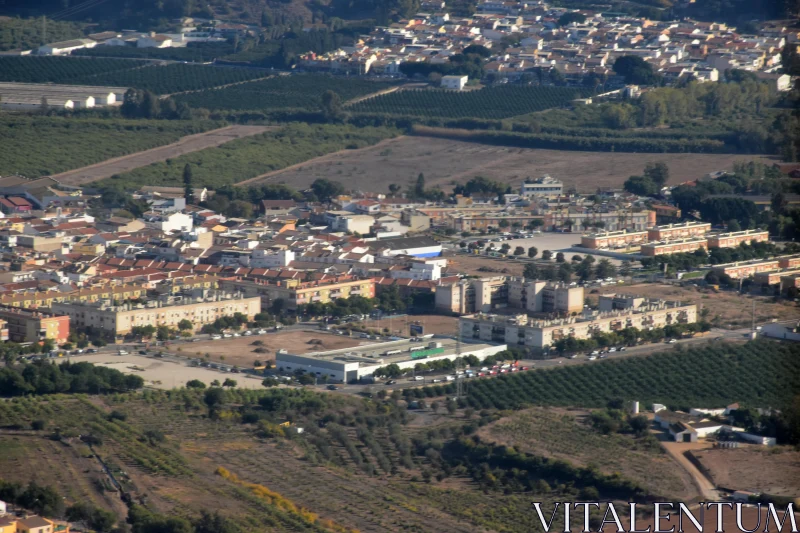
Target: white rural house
{"x":454,"y":82}
{"x":154,"y":41}
{"x":65,"y":47}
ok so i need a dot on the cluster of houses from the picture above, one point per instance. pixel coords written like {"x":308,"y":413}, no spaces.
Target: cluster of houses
{"x":28,"y":523}
{"x":702,"y":423}
{"x":540,"y":40}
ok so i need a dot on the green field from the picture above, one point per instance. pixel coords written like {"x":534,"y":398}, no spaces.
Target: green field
{"x":77,"y":142}
{"x":25,"y":34}
{"x":44,"y":69}
{"x":486,"y":103}
{"x":172,"y":78}
{"x":247,"y":158}
{"x":757,"y":374}
{"x":301,"y":91}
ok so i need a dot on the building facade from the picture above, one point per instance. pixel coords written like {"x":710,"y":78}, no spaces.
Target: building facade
{"x":199,"y":307}
{"x":652,"y":249}
{"x":544,"y":187}
{"x":735,"y":238}
{"x":295,"y":292}
{"x":542,"y":334}
{"x":544,"y":297}
{"x":684,"y":230}
{"x":613,"y":239}
{"x":472,"y":295}
{"x":30,"y":325}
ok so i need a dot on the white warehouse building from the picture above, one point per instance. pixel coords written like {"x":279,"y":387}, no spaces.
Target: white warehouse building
{"x":350,"y":364}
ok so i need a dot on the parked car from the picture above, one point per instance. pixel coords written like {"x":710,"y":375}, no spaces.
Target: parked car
{"x":227,"y":335}
{"x":247,"y":333}
{"x":417,"y":378}
{"x":612,"y":349}
{"x":261,"y":331}
{"x":437,"y":380}
{"x":216,"y":337}
{"x":671,"y":341}
{"x":122,"y":352}
{"x":592,"y":357}
{"x":332,"y":387}
{"x":391,"y":382}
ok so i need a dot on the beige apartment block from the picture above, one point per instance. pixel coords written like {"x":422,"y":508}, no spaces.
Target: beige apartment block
{"x":200,"y":308}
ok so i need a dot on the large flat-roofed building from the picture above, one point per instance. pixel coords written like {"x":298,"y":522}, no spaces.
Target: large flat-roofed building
{"x":544,"y":187}
{"x":735,"y":238}
{"x":32,"y":325}
{"x":522,"y":330}
{"x":613,"y":239}
{"x":350,"y":364}
{"x":745,"y":269}
{"x":472,"y":295}
{"x":199,"y":307}
{"x":789,"y":281}
{"x":682,"y":230}
{"x":544,"y":297}
{"x":295,"y":292}
{"x":616,"y":302}
{"x":789,"y":261}
{"x":652,"y":249}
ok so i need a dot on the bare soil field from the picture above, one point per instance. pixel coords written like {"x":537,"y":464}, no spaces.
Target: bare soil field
{"x":444,"y":161}
{"x":566,"y":435}
{"x":188,"y":144}
{"x":240,"y":350}
{"x":471,"y":265}
{"x":773,"y":471}
{"x":726,"y":308}
{"x":442,"y":325}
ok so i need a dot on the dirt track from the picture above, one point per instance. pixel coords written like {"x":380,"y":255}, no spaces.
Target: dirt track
{"x":443,"y":161}
{"x":188,"y":144}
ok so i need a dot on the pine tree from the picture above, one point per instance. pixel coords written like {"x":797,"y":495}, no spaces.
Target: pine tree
{"x":188,"y":190}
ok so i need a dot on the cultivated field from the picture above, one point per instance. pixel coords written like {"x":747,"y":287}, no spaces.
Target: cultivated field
{"x":186,"y":145}
{"x":444,"y":161}
{"x":565,"y":434}
{"x":773,"y":471}
{"x":726,"y":308}
{"x":240,"y":351}
{"x":68,"y":466}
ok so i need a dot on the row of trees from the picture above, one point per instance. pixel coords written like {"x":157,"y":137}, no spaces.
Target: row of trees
{"x":42,"y":377}
{"x":627,"y":337}
{"x":145,"y":104}
{"x":584,"y":269}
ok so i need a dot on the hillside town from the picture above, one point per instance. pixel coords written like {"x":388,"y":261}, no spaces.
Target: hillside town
{"x":549,"y":44}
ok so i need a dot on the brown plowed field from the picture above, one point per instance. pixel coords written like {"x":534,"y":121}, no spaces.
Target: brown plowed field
{"x":443,"y":161}
{"x":188,"y":144}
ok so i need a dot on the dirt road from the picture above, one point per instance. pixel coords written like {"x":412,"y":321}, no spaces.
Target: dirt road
{"x":188,"y":144}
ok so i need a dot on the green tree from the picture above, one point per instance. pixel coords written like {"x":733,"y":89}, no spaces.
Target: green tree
{"x":185,"y":324}
{"x":214,"y":397}
{"x":419,"y":187}
{"x":231,"y":383}
{"x":641,"y":185}
{"x":331,"y":106}
{"x":605,"y":269}
{"x":519,"y":250}
{"x":531,"y":271}
{"x":325,"y":189}
{"x":547,"y":255}
{"x":635,"y":70}
{"x":571,"y":16}
{"x":625,"y":268}
{"x":195,"y":384}
{"x":188,"y":189}
{"x":658,"y":173}
{"x":533,"y":252}
{"x":560,"y":257}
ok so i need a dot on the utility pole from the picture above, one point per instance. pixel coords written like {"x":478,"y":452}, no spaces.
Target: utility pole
{"x":44,"y":29}
{"x":460,"y":378}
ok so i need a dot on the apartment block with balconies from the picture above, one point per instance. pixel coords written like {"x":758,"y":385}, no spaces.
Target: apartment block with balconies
{"x":735,"y":238}
{"x":683,"y":230}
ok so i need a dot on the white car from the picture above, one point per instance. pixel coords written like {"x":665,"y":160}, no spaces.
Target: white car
{"x":122,"y":352}
{"x":216,"y":337}
{"x":247,"y":333}
{"x":418,"y":378}
{"x":595,"y":353}
{"x":237,"y":335}
{"x":671,"y":341}
{"x":261,"y":332}
{"x":612,"y":350}
{"x":227,"y":335}
{"x":592,"y":357}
